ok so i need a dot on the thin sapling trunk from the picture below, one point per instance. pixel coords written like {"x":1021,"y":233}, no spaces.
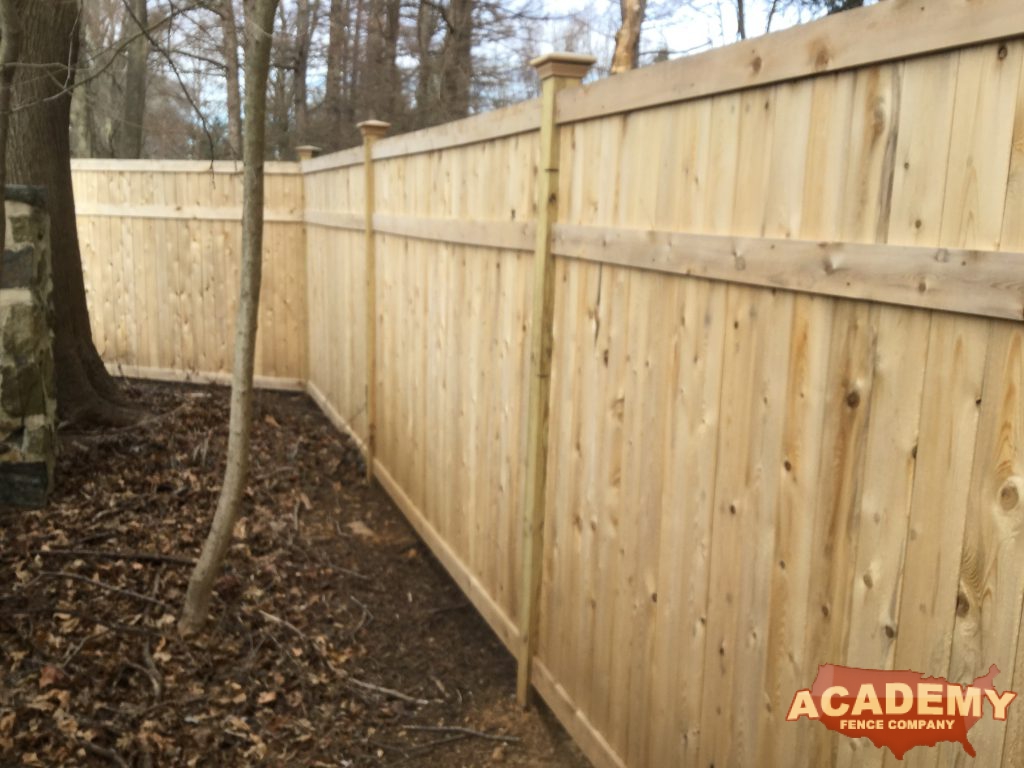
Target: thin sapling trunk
{"x":259,"y":20}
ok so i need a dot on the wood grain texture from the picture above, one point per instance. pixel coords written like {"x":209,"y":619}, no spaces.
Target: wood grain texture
{"x":860,"y":38}
{"x":336,"y":294}
{"x":538,"y":403}
{"x":991,"y":588}
{"x":451,"y":393}
{"x":204,"y":167}
{"x":986,"y":283}
{"x":160,"y":249}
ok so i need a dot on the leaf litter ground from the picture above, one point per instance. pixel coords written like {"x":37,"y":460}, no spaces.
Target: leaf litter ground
{"x":335,"y":639}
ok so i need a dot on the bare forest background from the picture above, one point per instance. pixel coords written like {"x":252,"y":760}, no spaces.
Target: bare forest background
{"x":163,"y":78}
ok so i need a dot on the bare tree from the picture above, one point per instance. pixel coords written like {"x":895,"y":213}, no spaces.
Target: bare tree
{"x":229,"y":48}
{"x":130,"y":131}
{"x":281,"y":83}
{"x":335,"y":91}
{"x":457,"y":59}
{"x":428,"y":22}
{"x":259,"y":20}
{"x":627,"y":39}
{"x":306,"y":20}
{"x":381,"y":90}
{"x":356,"y":74}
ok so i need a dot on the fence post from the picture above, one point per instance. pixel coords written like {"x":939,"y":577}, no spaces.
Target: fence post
{"x":371,"y":130}
{"x":306,"y":152}
{"x":556,"y":71}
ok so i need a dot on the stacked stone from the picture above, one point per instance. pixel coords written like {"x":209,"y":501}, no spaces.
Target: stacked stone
{"x":28,"y":404}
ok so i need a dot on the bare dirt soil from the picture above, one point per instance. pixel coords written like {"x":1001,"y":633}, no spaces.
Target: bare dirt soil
{"x":335,"y":639}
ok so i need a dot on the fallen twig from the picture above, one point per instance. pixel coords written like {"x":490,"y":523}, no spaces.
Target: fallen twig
{"x":447,"y":608}
{"x":152,"y":674}
{"x":117,"y":627}
{"x":353,"y":574}
{"x":389,"y":692}
{"x":363,"y":620}
{"x":420,"y":749}
{"x":463,"y":731}
{"x":73,"y":651}
{"x":390,"y":747}
{"x":105,"y":586}
{"x":147,"y":656}
{"x":103,"y":536}
{"x":278,"y":620}
{"x":96,"y":749}
{"x":103,"y":554}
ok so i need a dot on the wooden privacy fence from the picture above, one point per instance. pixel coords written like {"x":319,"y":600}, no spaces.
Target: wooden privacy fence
{"x":741,"y":396}
{"x":161,"y":247}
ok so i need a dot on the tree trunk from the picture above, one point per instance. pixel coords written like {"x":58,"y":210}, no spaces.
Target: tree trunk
{"x":381,"y":81}
{"x":741,"y":19}
{"x":356,"y":69}
{"x":392,"y":74}
{"x":371,"y":81}
{"x":137,"y":19}
{"x":259,"y":34}
{"x":303,"y":40}
{"x":83,"y":136}
{"x":627,"y":39}
{"x":457,"y":60}
{"x":337,"y":47}
{"x":279,"y":113}
{"x":39,"y":153}
{"x":427,"y":20}
{"x":229,"y":38}
{"x":10,"y":49}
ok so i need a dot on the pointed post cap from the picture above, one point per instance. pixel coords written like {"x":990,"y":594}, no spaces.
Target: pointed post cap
{"x":307,"y":152}
{"x":574,"y":65}
{"x":373,"y":129}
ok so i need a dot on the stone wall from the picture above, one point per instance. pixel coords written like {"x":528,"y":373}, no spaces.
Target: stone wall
{"x":28,"y":404}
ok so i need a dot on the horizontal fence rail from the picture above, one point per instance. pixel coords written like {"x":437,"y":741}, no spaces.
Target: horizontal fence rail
{"x":694,"y":379}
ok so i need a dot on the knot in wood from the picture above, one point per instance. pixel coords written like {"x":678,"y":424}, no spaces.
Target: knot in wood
{"x":1009,"y":494}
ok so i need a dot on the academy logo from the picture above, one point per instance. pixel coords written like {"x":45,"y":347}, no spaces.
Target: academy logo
{"x":899,"y":709}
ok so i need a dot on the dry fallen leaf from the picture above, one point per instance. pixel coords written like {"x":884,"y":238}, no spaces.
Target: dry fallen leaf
{"x":66,"y":723}
{"x":267,"y":697}
{"x":359,"y":528}
{"x":49,"y":675}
